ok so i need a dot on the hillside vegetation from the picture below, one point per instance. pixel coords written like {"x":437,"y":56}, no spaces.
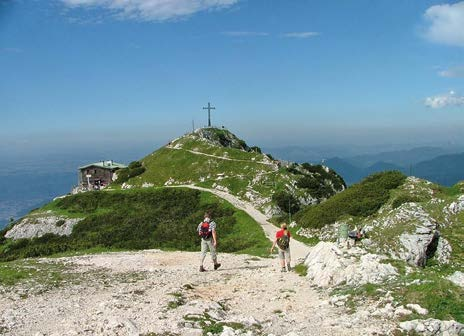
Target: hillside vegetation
{"x":140,"y":219}
{"x":360,"y":200}
{"x":415,"y":224}
{"x":216,"y":158}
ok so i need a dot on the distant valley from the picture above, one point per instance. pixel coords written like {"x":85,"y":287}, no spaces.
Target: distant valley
{"x":439,"y":165}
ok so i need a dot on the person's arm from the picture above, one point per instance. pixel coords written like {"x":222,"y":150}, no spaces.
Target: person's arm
{"x":214,"y":238}
{"x":273,"y":245}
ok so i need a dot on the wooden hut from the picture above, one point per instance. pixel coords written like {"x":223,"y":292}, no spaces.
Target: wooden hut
{"x":98,"y":175}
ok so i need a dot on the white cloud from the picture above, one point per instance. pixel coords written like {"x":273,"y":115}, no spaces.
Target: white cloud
{"x":152,"y":10}
{"x":456,"y":72}
{"x":446,"y":24}
{"x":444,"y":100}
{"x":244,"y":33}
{"x":301,"y":34}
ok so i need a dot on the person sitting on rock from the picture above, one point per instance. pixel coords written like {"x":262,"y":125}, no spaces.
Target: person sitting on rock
{"x":282,"y":240}
{"x":356,"y":235}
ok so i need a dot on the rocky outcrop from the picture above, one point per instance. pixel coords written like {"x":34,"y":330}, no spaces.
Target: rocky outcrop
{"x":420,"y":239}
{"x":432,"y":327}
{"x":222,"y":138}
{"x":37,"y":226}
{"x":456,"y":206}
{"x":329,"y":265}
{"x":443,"y":253}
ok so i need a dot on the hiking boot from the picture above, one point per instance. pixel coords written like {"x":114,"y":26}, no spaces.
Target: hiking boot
{"x":202,"y":269}
{"x":283,"y":269}
{"x":288,"y":267}
{"x":216,"y":266}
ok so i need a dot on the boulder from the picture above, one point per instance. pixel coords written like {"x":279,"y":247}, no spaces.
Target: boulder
{"x":328,"y":266}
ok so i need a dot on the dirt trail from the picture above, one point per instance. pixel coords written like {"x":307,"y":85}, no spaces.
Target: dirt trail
{"x":221,"y":157}
{"x":298,"y":250}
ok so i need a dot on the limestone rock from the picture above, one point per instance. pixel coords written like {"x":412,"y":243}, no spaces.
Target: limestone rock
{"x":443,"y":253}
{"x":457,"y":278}
{"x":433,"y":327}
{"x":328,"y":265}
{"x":37,"y":226}
{"x":455,"y":207}
{"x":418,"y":309}
{"x":416,"y":245}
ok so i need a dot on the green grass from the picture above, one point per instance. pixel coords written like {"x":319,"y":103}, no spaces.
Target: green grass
{"x":301,"y":269}
{"x":179,"y":300}
{"x":454,"y":234}
{"x":210,"y":325}
{"x":455,"y":190}
{"x":164,"y":218}
{"x":48,"y":274}
{"x":203,"y":170}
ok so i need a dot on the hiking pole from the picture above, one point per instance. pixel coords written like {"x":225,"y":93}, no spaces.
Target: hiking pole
{"x":289,"y":212}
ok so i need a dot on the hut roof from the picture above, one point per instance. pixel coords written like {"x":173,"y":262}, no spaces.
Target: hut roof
{"x":109,"y":164}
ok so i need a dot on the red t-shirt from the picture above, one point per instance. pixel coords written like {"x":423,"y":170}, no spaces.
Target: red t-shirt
{"x":280,"y":233}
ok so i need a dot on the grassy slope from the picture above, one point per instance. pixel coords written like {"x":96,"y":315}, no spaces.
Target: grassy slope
{"x":177,"y":162}
{"x":360,"y":200}
{"x":138,"y":219}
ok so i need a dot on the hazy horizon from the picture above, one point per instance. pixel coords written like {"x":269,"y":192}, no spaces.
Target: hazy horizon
{"x":84,"y":74}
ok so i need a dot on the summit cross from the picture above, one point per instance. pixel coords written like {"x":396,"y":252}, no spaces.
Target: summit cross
{"x":209,"y":108}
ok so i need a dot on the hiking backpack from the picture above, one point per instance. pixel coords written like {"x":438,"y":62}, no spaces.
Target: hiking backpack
{"x":283,"y":242}
{"x":205,"y":231}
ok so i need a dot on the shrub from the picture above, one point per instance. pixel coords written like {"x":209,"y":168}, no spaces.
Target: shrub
{"x":141,"y":219}
{"x":286,"y":202}
{"x":361,"y":199}
{"x":256,"y":149}
{"x":397,"y":202}
{"x":135,"y":169}
{"x":134,"y":164}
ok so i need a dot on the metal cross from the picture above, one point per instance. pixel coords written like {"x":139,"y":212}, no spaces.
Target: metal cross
{"x":209,"y":108}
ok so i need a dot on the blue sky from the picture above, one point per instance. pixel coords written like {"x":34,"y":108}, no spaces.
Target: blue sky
{"x":76,"y":73}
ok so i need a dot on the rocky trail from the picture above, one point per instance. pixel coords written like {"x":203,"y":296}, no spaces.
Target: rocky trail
{"x":162,"y":293}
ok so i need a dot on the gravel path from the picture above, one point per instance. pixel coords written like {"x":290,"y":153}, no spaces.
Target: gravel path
{"x":221,"y":157}
{"x":162,"y":293}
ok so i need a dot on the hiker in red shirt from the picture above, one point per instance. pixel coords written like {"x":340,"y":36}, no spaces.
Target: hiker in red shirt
{"x":282,"y":240}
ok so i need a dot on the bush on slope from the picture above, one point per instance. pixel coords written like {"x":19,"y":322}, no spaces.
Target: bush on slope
{"x":142,"y":219}
{"x":359,"y":200}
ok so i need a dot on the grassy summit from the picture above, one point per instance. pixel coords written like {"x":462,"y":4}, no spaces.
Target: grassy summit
{"x":216,"y":158}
